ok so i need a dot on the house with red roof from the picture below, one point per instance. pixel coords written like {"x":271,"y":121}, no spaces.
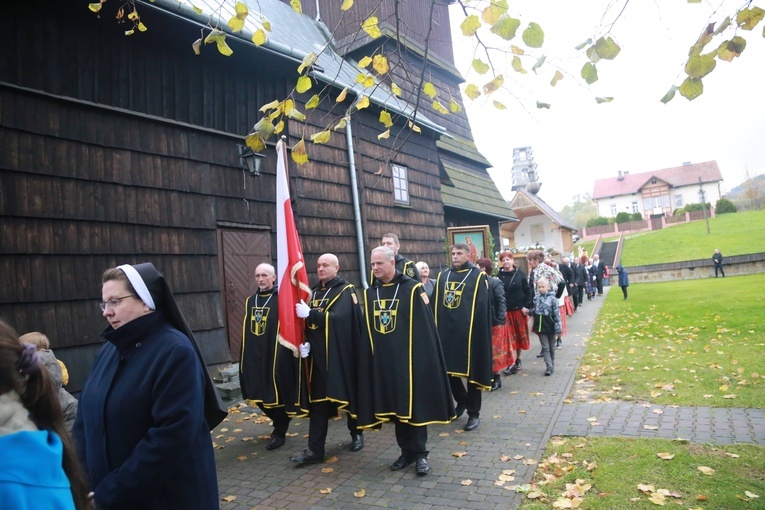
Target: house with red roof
{"x":659,"y":191}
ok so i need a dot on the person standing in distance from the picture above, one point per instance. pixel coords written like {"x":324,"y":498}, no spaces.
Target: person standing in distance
{"x":403,"y":265}
{"x":268,"y":371}
{"x":402,"y":358}
{"x":717,"y":258}
{"x":332,"y":334}
{"x":461,"y":307}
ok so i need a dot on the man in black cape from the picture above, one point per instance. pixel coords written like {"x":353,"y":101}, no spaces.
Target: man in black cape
{"x":403,"y":361}
{"x":268,"y":371}
{"x":333,"y":332}
{"x":462,"y":313}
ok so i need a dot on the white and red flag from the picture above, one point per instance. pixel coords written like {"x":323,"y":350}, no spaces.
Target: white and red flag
{"x":293,"y":279}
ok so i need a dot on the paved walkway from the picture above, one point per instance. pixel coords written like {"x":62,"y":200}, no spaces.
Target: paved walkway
{"x":516,"y":424}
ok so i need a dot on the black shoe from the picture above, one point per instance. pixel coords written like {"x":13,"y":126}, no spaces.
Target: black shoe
{"x":401,"y":463}
{"x":518,"y":365}
{"x":276,"y":442}
{"x":357,"y":442}
{"x":472,"y":423}
{"x":497,"y":383}
{"x":510,"y":370}
{"x":422,"y":467}
{"x":559,"y":342}
{"x":459,"y":410}
{"x":307,"y":457}
{"x":541,"y":355}
{"x":549,"y":371}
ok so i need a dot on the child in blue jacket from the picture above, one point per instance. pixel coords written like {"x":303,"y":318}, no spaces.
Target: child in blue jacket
{"x":546,"y":322}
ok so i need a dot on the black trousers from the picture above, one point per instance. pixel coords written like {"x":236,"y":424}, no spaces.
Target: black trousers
{"x":599,"y":281}
{"x":719,"y":267}
{"x":580,"y":293}
{"x":624,"y":291}
{"x":279,"y":418}
{"x":575,"y":295}
{"x":412,"y":440}
{"x":318,"y":424}
{"x":470,"y":397}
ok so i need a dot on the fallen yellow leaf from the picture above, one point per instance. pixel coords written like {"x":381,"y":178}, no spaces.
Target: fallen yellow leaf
{"x":360,"y":493}
{"x":325,"y":491}
{"x":706,"y":470}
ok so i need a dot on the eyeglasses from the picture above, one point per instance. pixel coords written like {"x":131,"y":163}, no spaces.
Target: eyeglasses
{"x":112,"y":303}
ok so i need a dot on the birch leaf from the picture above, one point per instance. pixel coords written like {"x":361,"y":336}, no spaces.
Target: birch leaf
{"x":341,"y":96}
{"x":296,"y":114}
{"x":472,"y":91}
{"x":747,"y":18}
{"x":265,"y":23}
{"x":493,"y":12}
{"x":303,"y":84}
{"x":691,"y":88}
{"x":361,"y":492}
{"x":601,"y":100}
{"x":141,"y":27}
{"x":362,"y":103}
{"x":558,"y":76}
{"x":429,"y":89}
{"x":196,"y":46}
{"x":384,"y":135}
{"x":299,"y":155}
{"x":364,"y":62}
{"x":533,"y":36}
{"x":223,"y":48}
{"x":259,"y":37}
{"x":95,"y":7}
{"x":454,"y":106}
{"x":308,"y":61}
{"x":539,"y":62}
{"x":517,"y":65}
{"x":321,"y":137}
{"x":370,"y":27}
{"x":395,"y":89}
{"x":269,"y":106}
{"x":507,"y":28}
{"x":706,"y":470}
{"x":385,"y":119}
{"x":296,"y":6}
{"x":255,"y":142}
{"x":479,"y":66}
{"x":347,"y":4}
{"x":498,"y":105}
{"x":669,"y":95}
{"x":589,"y":73}
{"x":236,"y":24}
{"x":414,"y":127}
{"x":341,"y":124}
{"x":437,"y":106}
{"x":380,"y":64}
{"x":541,"y":105}
{"x":279,"y":127}
{"x":469,"y":25}
{"x":493,"y":85}
{"x":313,"y":102}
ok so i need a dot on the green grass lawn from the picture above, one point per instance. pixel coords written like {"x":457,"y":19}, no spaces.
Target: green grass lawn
{"x":735,"y":234}
{"x":624,"y":474}
{"x":690,"y":342}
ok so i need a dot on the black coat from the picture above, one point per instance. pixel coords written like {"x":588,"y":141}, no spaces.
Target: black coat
{"x":580,"y":274}
{"x":497,"y":301}
{"x":517,"y":293}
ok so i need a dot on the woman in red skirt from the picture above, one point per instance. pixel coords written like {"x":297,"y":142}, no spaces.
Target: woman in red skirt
{"x":502,"y":349}
{"x":517,"y":296}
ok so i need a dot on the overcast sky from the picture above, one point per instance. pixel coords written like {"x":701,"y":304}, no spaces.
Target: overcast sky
{"x":578,"y":141}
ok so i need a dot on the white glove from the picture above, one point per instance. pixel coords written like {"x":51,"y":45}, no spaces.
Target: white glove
{"x":305,"y":349}
{"x":302,"y":309}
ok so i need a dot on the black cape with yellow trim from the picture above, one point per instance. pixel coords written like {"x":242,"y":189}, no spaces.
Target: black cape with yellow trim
{"x":463,"y":318}
{"x":333,"y":328}
{"x":403,"y":367}
{"x":403,"y":266}
{"x":268,"y":371}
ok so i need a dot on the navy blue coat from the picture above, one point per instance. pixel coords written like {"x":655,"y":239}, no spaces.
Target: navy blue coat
{"x":140,"y":430}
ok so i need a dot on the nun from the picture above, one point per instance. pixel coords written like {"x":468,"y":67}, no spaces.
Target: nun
{"x":148,"y":404}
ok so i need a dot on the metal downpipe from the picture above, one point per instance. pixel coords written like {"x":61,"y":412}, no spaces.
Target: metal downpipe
{"x":356,"y":207}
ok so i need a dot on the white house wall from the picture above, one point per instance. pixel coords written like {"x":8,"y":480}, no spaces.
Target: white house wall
{"x":688,"y":194}
{"x":538,"y":229}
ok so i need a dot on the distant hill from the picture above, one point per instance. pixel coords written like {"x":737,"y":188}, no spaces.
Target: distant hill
{"x":736,"y":192}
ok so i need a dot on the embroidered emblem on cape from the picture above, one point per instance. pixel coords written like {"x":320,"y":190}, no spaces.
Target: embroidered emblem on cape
{"x":385,"y":311}
{"x":410,"y":271}
{"x":425,"y":298}
{"x":453,"y":294}
{"x":318,"y":304}
{"x":355,"y":299}
{"x":259,"y":320}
